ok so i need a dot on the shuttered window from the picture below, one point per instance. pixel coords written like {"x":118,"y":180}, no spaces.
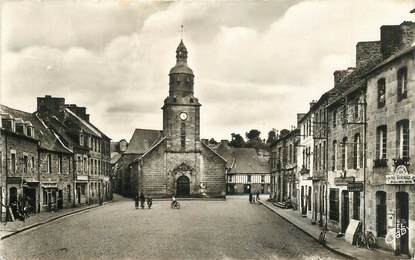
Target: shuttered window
{"x":381,"y":213}
{"x":334,"y":205}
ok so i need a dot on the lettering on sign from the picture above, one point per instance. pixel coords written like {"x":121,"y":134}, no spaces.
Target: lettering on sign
{"x":400,"y":176}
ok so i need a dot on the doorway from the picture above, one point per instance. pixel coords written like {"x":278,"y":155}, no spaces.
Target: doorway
{"x":183,"y":186}
{"x":345,"y":211}
{"x":402,"y":224}
{"x":78,"y":193}
{"x":30,"y":198}
{"x":60,"y":199}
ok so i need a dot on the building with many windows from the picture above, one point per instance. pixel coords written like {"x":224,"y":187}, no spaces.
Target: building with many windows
{"x":283,"y":168}
{"x":391,"y":145}
{"x":246,"y":170}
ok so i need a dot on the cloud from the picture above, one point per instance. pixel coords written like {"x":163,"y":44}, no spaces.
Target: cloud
{"x":255,"y":68}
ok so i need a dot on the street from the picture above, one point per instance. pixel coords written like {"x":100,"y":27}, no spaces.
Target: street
{"x":231,"y":229}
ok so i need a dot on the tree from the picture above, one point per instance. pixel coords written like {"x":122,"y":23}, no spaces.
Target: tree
{"x":237,"y":141}
{"x":272,"y":136}
{"x":213,"y":141}
{"x":253,"y":135}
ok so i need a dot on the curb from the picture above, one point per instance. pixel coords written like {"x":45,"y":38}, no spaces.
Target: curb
{"x":50,"y":220}
{"x":305,"y":232}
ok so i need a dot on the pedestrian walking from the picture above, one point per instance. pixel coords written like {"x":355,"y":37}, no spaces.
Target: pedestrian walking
{"x":149,"y":201}
{"x":137,"y":201}
{"x":257,"y":195}
{"x":250,"y":197}
{"x":142,"y":200}
{"x":253,"y":199}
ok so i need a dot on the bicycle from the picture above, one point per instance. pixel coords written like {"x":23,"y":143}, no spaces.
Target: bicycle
{"x":322,"y":237}
{"x":367,"y":240}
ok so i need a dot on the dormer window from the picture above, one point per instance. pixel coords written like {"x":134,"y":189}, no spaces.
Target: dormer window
{"x":191,"y":100}
{"x":8,"y":122}
{"x":81,"y":139}
{"x":29,"y":132}
{"x":20,"y":126}
{"x":29,"y":129}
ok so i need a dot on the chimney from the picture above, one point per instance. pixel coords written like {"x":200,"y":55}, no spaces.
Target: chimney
{"x":51,"y":105}
{"x":312,"y":103}
{"x":396,"y":37}
{"x":339,"y":75}
{"x":366,"y":52}
{"x":407,"y":35}
{"x":79,"y":111}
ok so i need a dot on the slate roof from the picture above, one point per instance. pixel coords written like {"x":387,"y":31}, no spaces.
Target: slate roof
{"x":243,"y":160}
{"x":354,"y":81}
{"x":47,"y":137}
{"x":142,"y":140}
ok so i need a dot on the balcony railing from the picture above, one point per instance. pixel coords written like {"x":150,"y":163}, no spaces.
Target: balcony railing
{"x":380,"y":163}
{"x":401,"y":161}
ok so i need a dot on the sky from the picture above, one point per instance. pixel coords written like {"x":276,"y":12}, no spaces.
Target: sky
{"x":256,"y":63}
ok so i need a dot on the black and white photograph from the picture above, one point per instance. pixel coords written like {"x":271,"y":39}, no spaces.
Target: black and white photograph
{"x":207,"y":129}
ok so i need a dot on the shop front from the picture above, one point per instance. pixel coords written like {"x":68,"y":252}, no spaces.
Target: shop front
{"x":49,"y":196}
{"x":81,"y":190}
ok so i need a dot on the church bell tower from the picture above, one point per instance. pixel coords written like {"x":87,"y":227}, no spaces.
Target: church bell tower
{"x":181,"y":110}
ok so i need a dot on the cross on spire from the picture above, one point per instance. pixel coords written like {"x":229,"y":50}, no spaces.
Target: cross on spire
{"x":181,"y":31}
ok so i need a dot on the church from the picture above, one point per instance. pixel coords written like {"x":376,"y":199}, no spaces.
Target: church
{"x":173,"y":161}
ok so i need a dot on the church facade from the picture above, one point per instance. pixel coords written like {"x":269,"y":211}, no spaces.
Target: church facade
{"x":174,"y":160}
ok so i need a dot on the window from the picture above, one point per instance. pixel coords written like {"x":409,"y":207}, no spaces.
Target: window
{"x":324,"y":155}
{"x":334,"y":205}
{"x":33,"y":162}
{"x":45,"y":198}
{"x":334,"y":118}
{"x":381,"y":92}
{"x":356,"y":109}
{"x":402,"y":139}
{"x":381,"y":213}
{"x":29,"y":131}
{"x":85,"y":166}
{"x":81,"y":139}
{"x":13,"y":162}
{"x":183,"y":135}
{"x":356,"y":205}
{"x":262,"y":178}
{"x":344,"y":153}
{"x":49,"y":163}
{"x":291,"y":153}
{"x":381,"y":141}
{"x":334,"y":156}
{"x":248,"y":178}
{"x":356,"y":151}
{"x":60,"y":164}
{"x":25,"y":162}
{"x":402,"y":83}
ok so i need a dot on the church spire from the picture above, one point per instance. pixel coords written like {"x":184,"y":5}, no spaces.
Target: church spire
{"x":181,"y":53}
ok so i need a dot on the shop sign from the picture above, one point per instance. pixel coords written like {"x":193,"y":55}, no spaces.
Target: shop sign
{"x":14,"y":180}
{"x":339,"y":181}
{"x":50,"y":185}
{"x":400,"y":176}
{"x":82,"y":177}
{"x":355,"y":186}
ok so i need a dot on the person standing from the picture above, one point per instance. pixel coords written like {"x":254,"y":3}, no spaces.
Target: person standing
{"x":250,"y":197}
{"x":137,"y":200}
{"x":257,"y":195}
{"x":149,"y":201}
{"x":142,"y":200}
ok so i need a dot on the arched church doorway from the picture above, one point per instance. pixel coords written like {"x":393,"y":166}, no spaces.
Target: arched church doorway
{"x":183,"y":187}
